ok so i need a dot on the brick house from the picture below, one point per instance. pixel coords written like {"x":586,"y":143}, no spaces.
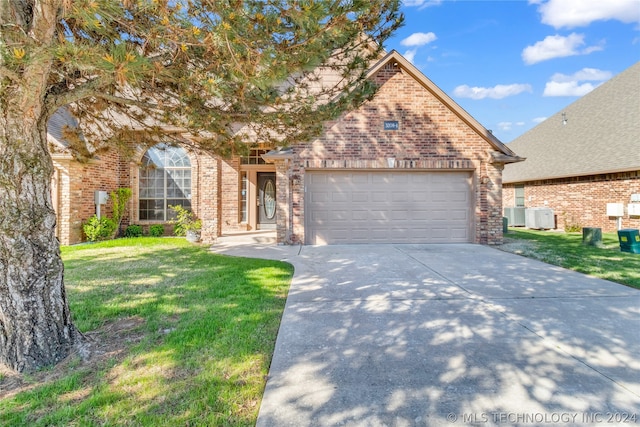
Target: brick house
{"x":582,"y":158}
{"x":408,"y":166}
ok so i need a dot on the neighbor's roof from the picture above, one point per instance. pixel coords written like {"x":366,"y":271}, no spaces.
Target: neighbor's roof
{"x":602,"y":135}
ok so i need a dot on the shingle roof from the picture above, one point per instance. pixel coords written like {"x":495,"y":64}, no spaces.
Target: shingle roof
{"x":56,"y":124}
{"x":602,"y":135}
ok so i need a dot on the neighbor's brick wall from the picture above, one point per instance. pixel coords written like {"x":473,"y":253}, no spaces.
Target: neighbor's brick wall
{"x":581,"y":200}
{"x":431,"y":137}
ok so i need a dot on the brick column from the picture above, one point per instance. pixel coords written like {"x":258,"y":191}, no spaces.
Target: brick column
{"x":209,"y":197}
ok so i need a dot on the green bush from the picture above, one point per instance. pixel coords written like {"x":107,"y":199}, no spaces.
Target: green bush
{"x":99,"y":229}
{"x":571,"y":225}
{"x":133,"y":230}
{"x":184,"y":221}
{"x":120,"y":198}
{"x":156,"y":230}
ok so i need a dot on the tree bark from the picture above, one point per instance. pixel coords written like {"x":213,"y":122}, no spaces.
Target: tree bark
{"x":35,"y":323}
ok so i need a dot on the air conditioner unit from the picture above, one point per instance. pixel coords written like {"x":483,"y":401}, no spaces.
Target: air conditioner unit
{"x":539,"y":218}
{"x":515,"y":216}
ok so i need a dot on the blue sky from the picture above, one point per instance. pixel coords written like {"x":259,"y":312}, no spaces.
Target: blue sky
{"x":513,"y":63}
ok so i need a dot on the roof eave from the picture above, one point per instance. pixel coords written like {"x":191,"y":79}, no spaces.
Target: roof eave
{"x":278,"y":154}
{"x":545,"y":178}
{"x":502,"y":158}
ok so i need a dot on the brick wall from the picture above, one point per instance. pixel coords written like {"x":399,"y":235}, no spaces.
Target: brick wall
{"x":430,"y":137}
{"x":581,"y":200}
{"x":77,"y":183}
{"x":210,"y":208}
{"x":230,"y":207}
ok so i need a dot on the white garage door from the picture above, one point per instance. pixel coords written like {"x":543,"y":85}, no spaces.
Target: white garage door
{"x":388,"y":207}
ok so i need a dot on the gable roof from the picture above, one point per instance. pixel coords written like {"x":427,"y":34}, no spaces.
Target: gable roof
{"x":503,"y":155}
{"x":601,"y":135}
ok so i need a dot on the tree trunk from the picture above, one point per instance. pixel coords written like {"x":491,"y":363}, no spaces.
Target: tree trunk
{"x":35,"y":323}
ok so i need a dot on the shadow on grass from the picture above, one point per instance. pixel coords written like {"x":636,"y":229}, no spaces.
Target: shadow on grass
{"x":566,"y":250}
{"x":198,"y":339}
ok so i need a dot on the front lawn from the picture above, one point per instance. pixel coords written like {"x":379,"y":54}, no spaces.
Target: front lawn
{"x":566,"y":250}
{"x":179,"y":336}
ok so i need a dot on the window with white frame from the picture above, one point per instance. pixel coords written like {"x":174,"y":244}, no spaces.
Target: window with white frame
{"x":165,"y":180}
{"x":520,"y":195}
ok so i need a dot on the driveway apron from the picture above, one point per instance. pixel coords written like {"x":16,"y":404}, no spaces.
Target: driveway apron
{"x":430,"y":335}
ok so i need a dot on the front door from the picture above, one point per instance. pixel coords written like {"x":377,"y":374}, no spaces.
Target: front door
{"x":266,"y":200}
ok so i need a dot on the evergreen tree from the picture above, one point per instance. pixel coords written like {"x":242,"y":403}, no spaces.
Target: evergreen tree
{"x":220,"y":74}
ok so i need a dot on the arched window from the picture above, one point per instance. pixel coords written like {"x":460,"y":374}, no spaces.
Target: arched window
{"x":165,"y":180}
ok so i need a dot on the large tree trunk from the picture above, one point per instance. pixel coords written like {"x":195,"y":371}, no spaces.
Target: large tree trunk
{"x":35,"y":324}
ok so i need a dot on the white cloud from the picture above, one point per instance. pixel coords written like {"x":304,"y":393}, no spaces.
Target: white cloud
{"x":539,"y":119}
{"x":504,"y":125}
{"x":581,"y":13}
{"x":496,"y":92}
{"x":509,"y":125}
{"x":567,"y":89}
{"x":410,"y":55}
{"x":557,"y":47}
{"x":421,"y":4}
{"x":572,"y":85}
{"x":418,"y":39}
{"x":586,"y":74}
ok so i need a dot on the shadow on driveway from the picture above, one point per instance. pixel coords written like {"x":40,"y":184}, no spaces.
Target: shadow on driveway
{"x":429,"y":335}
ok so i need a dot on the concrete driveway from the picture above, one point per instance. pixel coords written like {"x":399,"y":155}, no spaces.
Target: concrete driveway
{"x":430,"y":335}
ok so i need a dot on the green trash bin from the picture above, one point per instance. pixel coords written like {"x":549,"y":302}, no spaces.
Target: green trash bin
{"x":592,"y":236}
{"x":629,"y":239}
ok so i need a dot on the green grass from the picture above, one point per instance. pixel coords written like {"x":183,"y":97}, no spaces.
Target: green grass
{"x":566,"y":250}
{"x":185,"y":337}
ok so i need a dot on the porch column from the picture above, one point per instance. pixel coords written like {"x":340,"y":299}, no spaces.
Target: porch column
{"x":210,"y":208}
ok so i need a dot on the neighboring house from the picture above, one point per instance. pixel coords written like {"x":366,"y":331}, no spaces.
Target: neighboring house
{"x":408,"y":166}
{"x":582,"y":158}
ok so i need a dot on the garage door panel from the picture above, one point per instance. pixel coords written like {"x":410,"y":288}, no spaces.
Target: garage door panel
{"x":400,"y":196}
{"x":359,"y":179}
{"x":339,"y":216}
{"x":359,"y":196}
{"x":397,"y":178}
{"x":388,"y":207}
{"x":458,"y":196}
{"x":380,"y":178}
{"x":319,"y":197}
{"x":340,"y":197}
{"x":459,"y":233}
{"x":459,"y":214}
{"x":379,"y":196}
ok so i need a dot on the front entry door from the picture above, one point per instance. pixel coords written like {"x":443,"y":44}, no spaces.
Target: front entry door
{"x":266,"y":200}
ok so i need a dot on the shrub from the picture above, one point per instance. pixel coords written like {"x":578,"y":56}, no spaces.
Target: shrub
{"x":184,"y":221}
{"x":99,"y":229}
{"x":120,"y":198}
{"x":571,"y":225}
{"x":156,"y":230}
{"x":133,"y":230}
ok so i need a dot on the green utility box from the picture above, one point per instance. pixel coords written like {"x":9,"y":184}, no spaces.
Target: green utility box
{"x":629,"y":240}
{"x":505,"y":224}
